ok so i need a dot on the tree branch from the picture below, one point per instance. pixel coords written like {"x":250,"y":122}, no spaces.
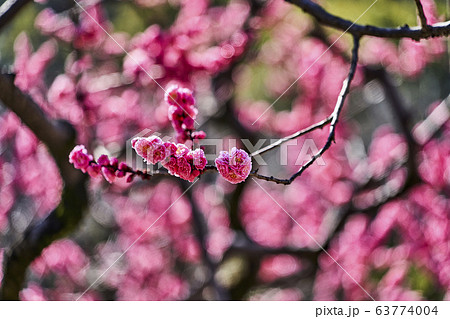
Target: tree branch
{"x":311,"y":128}
{"x":328,"y":19}
{"x":9,"y":9}
{"x":201,"y":232}
{"x":244,"y":245}
{"x":59,"y":137}
{"x":402,"y":117}
{"x":334,"y":119}
{"x":423,"y":18}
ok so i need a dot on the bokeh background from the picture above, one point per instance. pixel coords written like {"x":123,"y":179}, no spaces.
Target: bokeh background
{"x":380,"y":205}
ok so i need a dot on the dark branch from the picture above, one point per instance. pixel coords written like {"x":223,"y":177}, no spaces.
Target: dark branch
{"x":423,"y":18}
{"x":402,"y":117}
{"x":328,"y":19}
{"x":201,"y":233}
{"x":51,"y":133}
{"x":313,"y":127}
{"x":243,"y":244}
{"x":334,"y":119}
{"x":9,"y":9}
{"x":59,"y":137}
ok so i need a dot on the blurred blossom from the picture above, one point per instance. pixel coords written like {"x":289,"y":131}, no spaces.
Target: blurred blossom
{"x":386,"y":149}
{"x":55,"y":24}
{"x":435,"y":165}
{"x":32,"y":293}
{"x":278,"y":266}
{"x":64,"y":258}
{"x":29,"y":67}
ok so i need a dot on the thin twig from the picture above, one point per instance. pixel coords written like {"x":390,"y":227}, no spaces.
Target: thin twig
{"x":423,"y":18}
{"x":328,"y":19}
{"x":334,"y":119}
{"x":337,"y":109}
{"x":313,"y":127}
{"x":201,"y":232}
{"x":9,"y":9}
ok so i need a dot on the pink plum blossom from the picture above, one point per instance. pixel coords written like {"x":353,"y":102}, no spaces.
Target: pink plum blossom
{"x":180,"y":97}
{"x":80,"y":158}
{"x":183,"y":162}
{"x":199,"y":159}
{"x":235,"y":166}
{"x":182,"y":112}
{"x":182,"y":150}
{"x":183,"y":168}
{"x":94,"y":170}
{"x":109,"y":174}
{"x":151,"y":149}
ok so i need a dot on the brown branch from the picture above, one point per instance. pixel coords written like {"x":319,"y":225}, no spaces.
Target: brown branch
{"x":52,"y":133}
{"x":423,"y":18}
{"x":201,"y":233}
{"x":334,"y":119}
{"x":9,"y":9}
{"x":59,"y":137}
{"x":402,"y":117}
{"x":328,"y":19}
{"x":309,"y":129}
{"x":242,"y":244}
{"x":270,"y":178}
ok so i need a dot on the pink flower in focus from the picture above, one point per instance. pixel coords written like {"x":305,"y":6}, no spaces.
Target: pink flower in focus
{"x":180,"y":97}
{"x":80,"y":158}
{"x":199,"y":135}
{"x":234,"y":167}
{"x":109,"y":174}
{"x":222,"y":163}
{"x":171,"y":164}
{"x":184,"y":163}
{"x":171,"y":148}
{"x":199,"y":159}
{"x":183,"y":168}
{"x":103,"y":160}
{"x":94,"y":170}
{"x":151,"y":149}
{"x":182,"y":150}
{"x":182,"y":112}
{"x":194,"y":174}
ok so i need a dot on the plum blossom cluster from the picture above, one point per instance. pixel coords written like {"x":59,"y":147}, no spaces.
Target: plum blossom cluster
{"x":110,"y":168}
{"x":176,"y":158}
{"x":182,"y":113}
{"x":185,"y":163}
{"x":235,"y":166}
